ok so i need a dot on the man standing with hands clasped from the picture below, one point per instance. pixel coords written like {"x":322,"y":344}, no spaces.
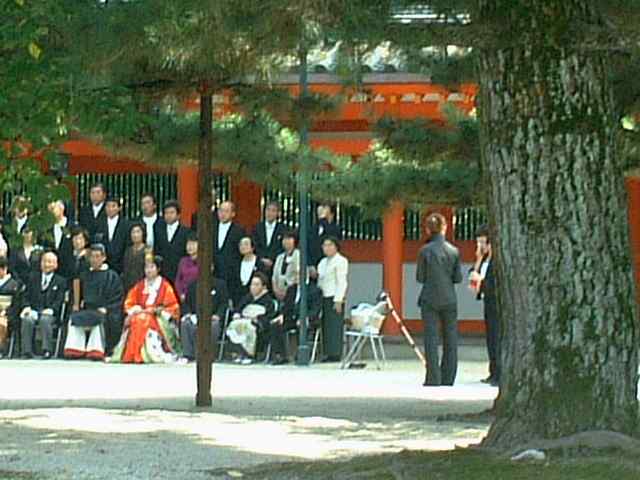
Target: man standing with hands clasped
{"x":438,"y":270}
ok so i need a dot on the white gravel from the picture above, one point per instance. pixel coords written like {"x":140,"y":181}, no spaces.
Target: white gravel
{"x":70,"y":420}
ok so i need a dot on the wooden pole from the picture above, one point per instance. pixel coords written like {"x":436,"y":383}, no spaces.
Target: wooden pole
{"x":205,"y":348}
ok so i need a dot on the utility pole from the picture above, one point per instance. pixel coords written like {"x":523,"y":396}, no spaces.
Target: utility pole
{"x":304,"y":352}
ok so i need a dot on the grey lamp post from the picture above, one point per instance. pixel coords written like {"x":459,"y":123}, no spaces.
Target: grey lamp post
{"x":304,"y":352}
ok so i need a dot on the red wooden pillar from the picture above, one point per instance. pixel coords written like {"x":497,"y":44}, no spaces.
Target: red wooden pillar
{"x":633,"y":191}
{"x":393,"y":260}
{"x":247,"y":197}
{"x":188,"y":192}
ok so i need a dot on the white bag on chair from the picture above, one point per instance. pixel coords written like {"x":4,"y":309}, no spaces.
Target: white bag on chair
{"x":368,"y":318}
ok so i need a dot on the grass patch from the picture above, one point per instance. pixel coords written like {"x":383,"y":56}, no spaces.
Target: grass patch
{"x":13,"y":475}
{"x":456,"y":465}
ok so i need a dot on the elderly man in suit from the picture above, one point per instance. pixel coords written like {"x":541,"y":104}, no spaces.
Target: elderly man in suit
{"x":438,"y":270}
{"x":59,"y":239}
{"x":267,"y":235}
{"x":42,"y":306}
{"x":226,"y":237}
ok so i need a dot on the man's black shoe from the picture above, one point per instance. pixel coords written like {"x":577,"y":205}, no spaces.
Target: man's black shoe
{"x":489,"y":379}
{"x":280,"y":361}
{"x":46,"y":355}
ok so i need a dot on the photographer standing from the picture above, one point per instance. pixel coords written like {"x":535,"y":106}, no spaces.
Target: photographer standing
{"x":483,"y":282}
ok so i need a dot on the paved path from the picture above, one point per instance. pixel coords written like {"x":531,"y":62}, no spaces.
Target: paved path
{"x":86,"y":420}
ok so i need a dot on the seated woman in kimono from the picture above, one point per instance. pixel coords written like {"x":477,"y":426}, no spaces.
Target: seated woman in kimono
{"x":252,"y":321}
{"x":151,"y":305}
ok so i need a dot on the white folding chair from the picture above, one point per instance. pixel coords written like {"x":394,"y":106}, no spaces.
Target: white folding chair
{"x":368,"y":334}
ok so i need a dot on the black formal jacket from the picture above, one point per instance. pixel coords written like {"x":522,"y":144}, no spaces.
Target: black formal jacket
{"x":53,"y":297}
{"x":117,"y":245}
{"x":171,"y":251}
{"x":219,"y":296}
{"x":66,"y":260}
{"x":89,"y":222}
{"x":266,"y":301}
{"x":314,"y":248}
{"x":438,"y":269}
{"x":22,"y":267}
{"x":227,"y":258}
{"x":275,"y":248}
{"x":10,"y":224}
{"x":238,"y":290}
{"x":14,"y":288}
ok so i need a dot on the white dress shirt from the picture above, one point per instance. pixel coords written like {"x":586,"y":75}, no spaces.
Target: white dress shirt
{"x":21,"y":222}
{"x":171,"y":230}
{"x":96,"y":209}
{"x":332,"y":277}
{"x":46,"y":280}
{"x":223,"y":229}
{"x":58,"y":232}
{"x":269,"y":228}
{"x":149,"y":222}
{"x":246,"y":270}
{"x":112,"y":223}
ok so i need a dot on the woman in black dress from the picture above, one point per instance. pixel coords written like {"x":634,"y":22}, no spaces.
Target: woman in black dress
{"x":134,"y":255}
{"x":250,"y":264}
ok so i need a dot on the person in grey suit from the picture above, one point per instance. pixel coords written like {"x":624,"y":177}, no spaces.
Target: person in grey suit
{"x":438,"y":270}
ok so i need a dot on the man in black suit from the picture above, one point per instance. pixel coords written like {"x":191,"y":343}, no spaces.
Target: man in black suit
{"x":13,"y":288}
{"x":42,"y":306}
{"x":189,"y":325}
{"x":267,"y":235}
{"x":150,"y":218}
{"x":438,"y":270}
{"x":90,"y":216}
{"x":226,"y":237}
{"x":18,"y":219}
{"x":171,"y":242}
{"x":214,"y":213}
{"x":113,"y":233}
{"x":58,"y":239}
{"x":483,"y":281}
{"x":325,"y":226}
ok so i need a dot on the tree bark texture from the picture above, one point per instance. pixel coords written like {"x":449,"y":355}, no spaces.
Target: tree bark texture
{"x":205,"y":349}
{"x":559,"y":213}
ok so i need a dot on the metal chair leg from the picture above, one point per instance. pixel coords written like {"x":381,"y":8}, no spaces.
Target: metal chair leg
{"x":374,"y":350}
{"x":384,"y":355}
{"x":58,"y":341}
{"x":12,"y":343}
{"x":314,"y":350}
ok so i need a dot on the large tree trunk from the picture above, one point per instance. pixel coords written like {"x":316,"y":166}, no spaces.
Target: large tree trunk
{"x":570,"y":354}
{"x":205,"y":349}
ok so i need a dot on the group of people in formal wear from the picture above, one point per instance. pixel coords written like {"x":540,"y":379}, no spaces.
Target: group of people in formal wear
{"x":125,"y":290}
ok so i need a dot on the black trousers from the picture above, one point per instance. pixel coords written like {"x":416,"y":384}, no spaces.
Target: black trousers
{"x":493,"y":336}
{"x":332,"y":329}
{"x":447,"y":318}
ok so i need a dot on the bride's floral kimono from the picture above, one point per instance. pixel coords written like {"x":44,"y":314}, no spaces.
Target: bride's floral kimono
{"x":150,"y":336}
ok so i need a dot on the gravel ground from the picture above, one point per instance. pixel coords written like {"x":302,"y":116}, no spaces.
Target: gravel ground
{"x":63,"y":420}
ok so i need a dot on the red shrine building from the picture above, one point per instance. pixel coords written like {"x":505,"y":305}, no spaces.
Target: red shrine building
{"x":387,"y":262}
